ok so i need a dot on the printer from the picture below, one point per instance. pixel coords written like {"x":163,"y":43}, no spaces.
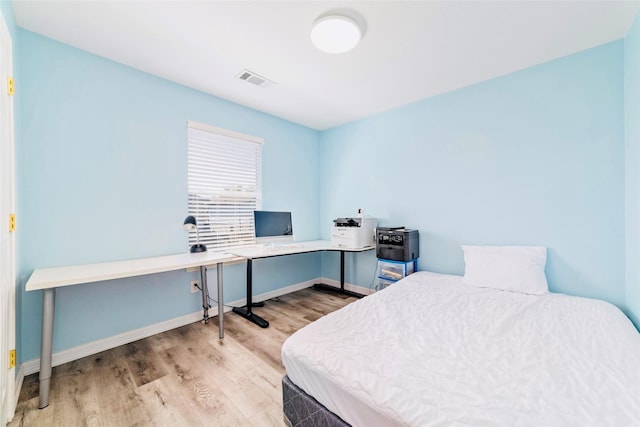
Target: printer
{"x":397,"y":243}
{"x":353,"y":233}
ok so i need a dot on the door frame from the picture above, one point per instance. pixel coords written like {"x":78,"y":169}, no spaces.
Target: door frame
{"x":7,"y":207}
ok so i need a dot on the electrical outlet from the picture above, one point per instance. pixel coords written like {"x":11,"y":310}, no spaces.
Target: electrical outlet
{"x":195,"y":286}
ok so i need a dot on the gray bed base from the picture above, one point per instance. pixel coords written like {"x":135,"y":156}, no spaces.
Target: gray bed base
{"x":302,"y":410}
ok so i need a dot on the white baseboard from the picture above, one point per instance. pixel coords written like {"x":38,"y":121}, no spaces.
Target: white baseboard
{"x":32,"y":366}
{"x":280,"y":292}
{"x":65,"y":356}
{"x":347,"y":286}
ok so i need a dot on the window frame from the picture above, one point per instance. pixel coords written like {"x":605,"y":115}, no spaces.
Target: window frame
{"x":222,"y":199}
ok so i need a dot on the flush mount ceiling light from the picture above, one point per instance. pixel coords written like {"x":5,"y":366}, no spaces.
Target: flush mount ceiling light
{"x":335,"y":33}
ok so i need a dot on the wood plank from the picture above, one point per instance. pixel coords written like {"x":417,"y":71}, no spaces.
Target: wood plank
{"x":28,"y":414}
{"x":235,"y":381}
{"x":143,"y":362}
{"x":270,"y":417}
{"x":118,"y":396}
{"x":263,"y":342}
{"x":298,"y":315}
{"x":168,"y":403}
{"x":185,"y":376}
{"x":210,"y":401}
{"x":75,"y":395}
{"x":30,"y":388}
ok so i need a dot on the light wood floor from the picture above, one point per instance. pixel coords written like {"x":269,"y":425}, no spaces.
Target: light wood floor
{"x":183,"y":377}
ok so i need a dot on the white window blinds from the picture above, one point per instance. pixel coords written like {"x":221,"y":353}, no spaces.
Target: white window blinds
{"x":224,"y":181}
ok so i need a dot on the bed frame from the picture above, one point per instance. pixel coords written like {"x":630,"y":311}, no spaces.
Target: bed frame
{"x":302,"y":410}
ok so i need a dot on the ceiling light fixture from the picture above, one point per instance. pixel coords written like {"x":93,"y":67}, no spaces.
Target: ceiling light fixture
{"x":335,"y":33}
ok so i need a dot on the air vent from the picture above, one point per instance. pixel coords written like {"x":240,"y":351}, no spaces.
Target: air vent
{"x":255,"y":79}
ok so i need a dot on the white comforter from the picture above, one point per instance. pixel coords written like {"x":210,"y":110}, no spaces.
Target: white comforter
{"x":429,"y":351}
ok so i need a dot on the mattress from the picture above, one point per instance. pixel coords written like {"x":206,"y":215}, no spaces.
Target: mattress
{"x":430,"y":351}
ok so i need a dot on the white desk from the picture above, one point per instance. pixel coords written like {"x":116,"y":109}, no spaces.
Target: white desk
{"x":256,"y":252}
{"x":48,"y":279}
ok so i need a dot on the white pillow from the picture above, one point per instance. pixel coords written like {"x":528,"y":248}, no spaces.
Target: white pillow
{"x":511,"y":268}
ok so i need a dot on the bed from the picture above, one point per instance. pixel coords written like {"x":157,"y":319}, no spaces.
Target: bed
{"x":432,"y":350}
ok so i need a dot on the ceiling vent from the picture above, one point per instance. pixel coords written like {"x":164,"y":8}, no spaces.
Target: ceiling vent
{"x":255,"y":79}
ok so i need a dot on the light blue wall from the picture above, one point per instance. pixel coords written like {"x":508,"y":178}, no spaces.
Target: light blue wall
{"x":102,"y":176}
{"x":532,"y":158}
{"x":632,"y":169}
{"x":7,"y":13}
{"x":535,"y":157}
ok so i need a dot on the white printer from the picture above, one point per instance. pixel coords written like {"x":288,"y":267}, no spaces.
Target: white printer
{"x":353,"y":233}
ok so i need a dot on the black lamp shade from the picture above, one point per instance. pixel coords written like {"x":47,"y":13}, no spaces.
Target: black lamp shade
{"x":190,"y":225}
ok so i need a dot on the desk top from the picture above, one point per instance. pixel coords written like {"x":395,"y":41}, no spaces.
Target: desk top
{"x":45,"y":278}
{"x":266,"y":251}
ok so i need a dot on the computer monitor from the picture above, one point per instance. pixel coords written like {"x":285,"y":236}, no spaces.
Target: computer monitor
{"x":273,"y":227}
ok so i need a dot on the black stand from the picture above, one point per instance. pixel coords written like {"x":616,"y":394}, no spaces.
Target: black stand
{"x":205,"y":294}
{"x":246,"y":310}
{"x":341,"y":289}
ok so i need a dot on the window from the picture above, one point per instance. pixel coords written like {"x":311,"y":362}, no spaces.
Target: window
{"x":224,"y":182}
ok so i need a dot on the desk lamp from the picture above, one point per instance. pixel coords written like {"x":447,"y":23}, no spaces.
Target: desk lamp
{"x":190,"y":225}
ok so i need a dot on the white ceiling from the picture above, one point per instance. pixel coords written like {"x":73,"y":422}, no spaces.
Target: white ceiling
{"x":410,"y":50}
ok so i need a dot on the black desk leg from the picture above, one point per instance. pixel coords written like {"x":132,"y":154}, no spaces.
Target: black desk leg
{"x":246,"y":310}
{"x":341,"y":289}
{"x":205,"y":294}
